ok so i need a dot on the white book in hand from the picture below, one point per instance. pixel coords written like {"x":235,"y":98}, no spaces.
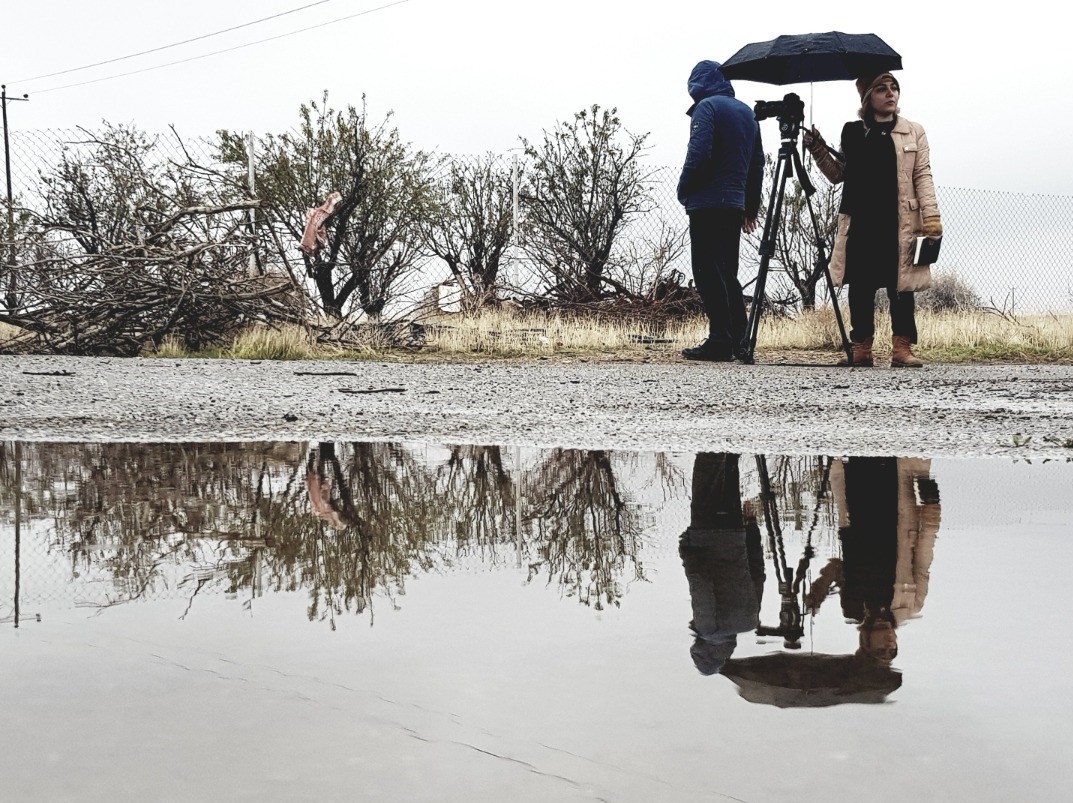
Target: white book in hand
{"x":926,"y":250}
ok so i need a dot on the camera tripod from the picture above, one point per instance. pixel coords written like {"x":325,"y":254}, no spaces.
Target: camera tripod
{"x":791,"y":619}
{"x":788,"y":162}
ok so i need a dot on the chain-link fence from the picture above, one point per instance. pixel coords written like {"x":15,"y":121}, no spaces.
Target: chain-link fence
{"x":1013,"y":251}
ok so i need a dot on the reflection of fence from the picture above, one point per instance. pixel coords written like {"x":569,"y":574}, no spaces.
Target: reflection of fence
{"x":347,"y":524}
{"x":1014,"y":250}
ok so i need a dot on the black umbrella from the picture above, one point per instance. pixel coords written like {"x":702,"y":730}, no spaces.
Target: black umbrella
{"x":812,"y":681}
{"x":808,"y":57}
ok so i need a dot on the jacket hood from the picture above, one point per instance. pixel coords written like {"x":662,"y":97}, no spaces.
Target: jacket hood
{"x":707,"y":80}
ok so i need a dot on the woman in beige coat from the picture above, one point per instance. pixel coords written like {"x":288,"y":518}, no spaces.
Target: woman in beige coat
{"x":888,"y":199}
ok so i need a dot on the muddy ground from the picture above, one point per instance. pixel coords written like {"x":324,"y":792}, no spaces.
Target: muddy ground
{"x":936,"y":411}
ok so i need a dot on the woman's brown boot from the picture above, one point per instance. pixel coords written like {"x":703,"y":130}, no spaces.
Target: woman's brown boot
{"x":862,"y":355}
{"x":901,"y":355}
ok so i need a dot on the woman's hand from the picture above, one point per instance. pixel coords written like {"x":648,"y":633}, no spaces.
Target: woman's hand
{"x":933,"y":227}
{"x":815,"y":143}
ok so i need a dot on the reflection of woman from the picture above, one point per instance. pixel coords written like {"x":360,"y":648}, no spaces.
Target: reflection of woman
{"x":888,"y":199}
{"x":888,"y":512}
{"x":723,"y":560}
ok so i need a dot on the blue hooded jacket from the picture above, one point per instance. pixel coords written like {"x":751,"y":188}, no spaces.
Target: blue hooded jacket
{"x":724,"y":165}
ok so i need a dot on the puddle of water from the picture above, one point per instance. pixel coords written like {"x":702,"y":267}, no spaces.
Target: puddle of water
{"x":344,"y":620}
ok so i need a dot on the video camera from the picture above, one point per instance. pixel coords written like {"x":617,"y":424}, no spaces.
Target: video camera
{"x":790,"y":112}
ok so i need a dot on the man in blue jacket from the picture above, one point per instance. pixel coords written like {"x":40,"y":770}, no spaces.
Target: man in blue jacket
{"x":720,"y":189}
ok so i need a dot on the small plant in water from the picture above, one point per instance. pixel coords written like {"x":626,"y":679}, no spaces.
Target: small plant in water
{"x":1020,"y":440}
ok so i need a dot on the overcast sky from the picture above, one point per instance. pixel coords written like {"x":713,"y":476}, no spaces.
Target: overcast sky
{"x":472,"y":75}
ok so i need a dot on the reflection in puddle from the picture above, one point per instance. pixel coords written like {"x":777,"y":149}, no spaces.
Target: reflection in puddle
{"x":888,"y":518}
{"x":350,"y":523}
{"x":346,"y":523}
{"x":604,"y":621}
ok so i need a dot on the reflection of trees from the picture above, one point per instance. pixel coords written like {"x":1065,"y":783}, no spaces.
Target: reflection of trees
{"x":344,"y":523}
{"x":587,"y":534}
{"x":481,"y":496}
{"x":801,"y":495}
{"x":383,"y":533}
{"x":132,"y":516}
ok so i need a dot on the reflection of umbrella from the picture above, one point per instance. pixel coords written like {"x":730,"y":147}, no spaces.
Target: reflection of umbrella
{"x":803,"y":58}
{"x":812,"y":681}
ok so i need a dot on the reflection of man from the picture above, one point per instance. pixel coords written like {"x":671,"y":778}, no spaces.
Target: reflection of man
{"x":723,"y":560}
{"x":888,"y":511}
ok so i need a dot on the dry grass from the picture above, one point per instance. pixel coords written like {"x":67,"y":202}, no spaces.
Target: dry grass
{"x":944,"y":337}
{"x":984,"y":337}
{"x":260,"y":343}
{"x":7,"y":332}
{"x":508,"y":334}
{"x":172,"y":347}
{"x":263,"y":343}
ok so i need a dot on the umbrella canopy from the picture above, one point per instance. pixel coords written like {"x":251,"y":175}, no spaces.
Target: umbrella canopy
{"x":803,"y":58}
{"x":812,"y":681}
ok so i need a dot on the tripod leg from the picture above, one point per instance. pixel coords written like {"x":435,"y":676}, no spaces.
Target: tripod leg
{"x":821,"y":256}
{"x":846,"y":346}
{"x":767,"y":249}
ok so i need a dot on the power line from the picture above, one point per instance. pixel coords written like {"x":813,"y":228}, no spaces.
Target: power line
{"x":224,"y":50}
{"x":173,"y":44}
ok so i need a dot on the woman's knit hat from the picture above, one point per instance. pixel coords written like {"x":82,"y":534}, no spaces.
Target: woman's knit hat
{"x":866,"y":85}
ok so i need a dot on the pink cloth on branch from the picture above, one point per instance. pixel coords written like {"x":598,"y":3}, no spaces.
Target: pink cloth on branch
{"x":315,"y":235}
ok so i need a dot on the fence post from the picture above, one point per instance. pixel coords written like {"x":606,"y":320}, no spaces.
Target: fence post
{"x":515,"y":176}
{"x":18,"y":528}
{"x":519,"y":542}
{"x":251,"y":184}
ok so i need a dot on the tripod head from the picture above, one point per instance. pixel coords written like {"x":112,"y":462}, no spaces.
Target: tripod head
{"x":790,"y":112}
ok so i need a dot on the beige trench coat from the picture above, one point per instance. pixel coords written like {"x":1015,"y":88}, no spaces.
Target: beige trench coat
{"x":916,"y":201}
{"x":917,"y":527}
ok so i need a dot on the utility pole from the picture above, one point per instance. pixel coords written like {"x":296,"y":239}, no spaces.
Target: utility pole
{"x":519,"y":489}
{"x":12,"y":285}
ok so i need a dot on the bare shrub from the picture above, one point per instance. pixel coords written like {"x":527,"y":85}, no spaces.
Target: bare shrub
{"x":470,"y":229}
{"x":585,"y":183}
{"x":373,"y":236}
{"x":949,"y":292}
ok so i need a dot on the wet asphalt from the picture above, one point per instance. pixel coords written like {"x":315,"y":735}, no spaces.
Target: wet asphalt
{"x":969,"y":411}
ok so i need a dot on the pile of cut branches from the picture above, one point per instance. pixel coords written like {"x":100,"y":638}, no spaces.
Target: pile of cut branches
{"x":133,"y":247}
{"x":129,"y":295}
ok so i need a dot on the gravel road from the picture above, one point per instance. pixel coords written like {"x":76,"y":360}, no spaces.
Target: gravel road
{"x":937,"y":411}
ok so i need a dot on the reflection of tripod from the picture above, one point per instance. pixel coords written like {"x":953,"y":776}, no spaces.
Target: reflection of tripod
{"x":791,"y":626}
{"x":787,"y":163}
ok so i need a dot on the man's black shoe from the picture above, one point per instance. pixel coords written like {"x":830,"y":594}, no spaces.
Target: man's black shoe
{"x":712,"y":352}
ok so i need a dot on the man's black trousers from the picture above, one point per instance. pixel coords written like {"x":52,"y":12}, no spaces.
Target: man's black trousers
{"x":715,"y":239}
